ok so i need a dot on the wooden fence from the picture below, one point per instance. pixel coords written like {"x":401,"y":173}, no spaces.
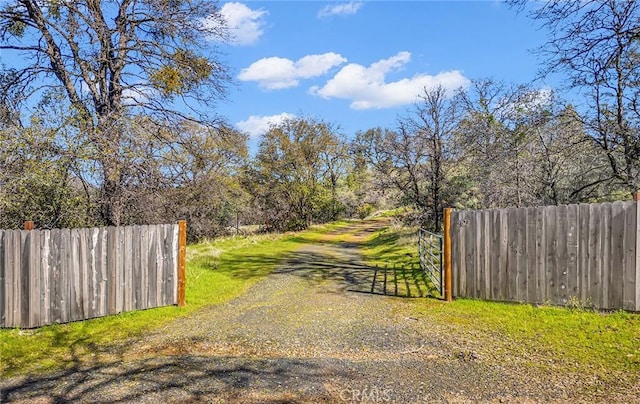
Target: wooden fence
{"x":586,"y":254}
{"x":62,"y":275}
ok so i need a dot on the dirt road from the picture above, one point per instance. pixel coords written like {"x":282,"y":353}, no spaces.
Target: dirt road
{"x":313,"y":331}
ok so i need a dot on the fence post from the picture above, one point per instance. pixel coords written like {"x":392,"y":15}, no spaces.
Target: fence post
{"x":28,"y":225}
{"x":182,"y":260}
{"x":636,"y":196}
{"x":447,"y":255}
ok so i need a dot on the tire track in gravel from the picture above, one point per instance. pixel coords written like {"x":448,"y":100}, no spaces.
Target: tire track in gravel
{"x":309,"y":332}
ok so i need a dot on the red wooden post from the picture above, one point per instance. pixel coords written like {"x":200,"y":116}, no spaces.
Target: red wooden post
{"x":182,"y":260}
{"x":28,"y":225}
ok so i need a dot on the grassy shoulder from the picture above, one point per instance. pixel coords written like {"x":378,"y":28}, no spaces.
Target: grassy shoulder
{"x":217,"y":271}
{"x":605,"y":345}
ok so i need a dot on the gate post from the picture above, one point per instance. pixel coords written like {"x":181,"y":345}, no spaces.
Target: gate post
{"x":447,"y":255}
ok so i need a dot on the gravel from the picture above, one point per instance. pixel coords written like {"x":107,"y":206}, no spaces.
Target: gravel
{"x":310,"y":332}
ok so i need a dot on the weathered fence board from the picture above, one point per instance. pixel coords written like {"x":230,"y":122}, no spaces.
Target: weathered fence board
{"x":62,"y":275}
{"x":585,"y":254}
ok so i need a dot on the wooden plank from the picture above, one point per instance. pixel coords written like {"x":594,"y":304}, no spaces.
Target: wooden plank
{"x":127,"y":273}
{"x":461,"y":254}
{"x":3,"y":286}
{"x":104,"y":290}
{"x":92,"y":272}
{"x":561,"y":296}
{"x":17,"y":280}
{"x":596,"y":236}
{"x":152,"y":274}
{"x":159,"y":266}
{"x":512,"y":255}
{"x":66,"y":271}
{"x":45,"y":272}
{"x":470,"y":250}
{"x":54,"y":276}
{"x":551,"y":251}
{"x":75,"y":276}
{"x":13,"y":280}
{"x":144,"y":267}
{"x":170,"y":247}
{"x":531,"y":256}
{"x":541,"y":255}
{"x":637,"y":253}
{"x":521,"y":254}
{"x":583,"y":254}
{"x":629,"y":267}
{"x":494,"y":249}
{"x":120,"y":271}
{"x":35,"y":317}
{"x":477,"y":255}
{"x":136,"y":278}
{"x":605,"y":256}
{"x":486,"y":252}
{"x":112,"y":268}
{"x":617,"y":256}
{"x":572,"y":252}
{"x":175,"y":249}
{"x":503,"y":258}
{"x":85,"y":246}
{"x":24,"y":276}
{"x":13,"y":292}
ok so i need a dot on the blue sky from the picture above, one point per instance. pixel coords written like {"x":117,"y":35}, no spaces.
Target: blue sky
{"x":361,"y":64}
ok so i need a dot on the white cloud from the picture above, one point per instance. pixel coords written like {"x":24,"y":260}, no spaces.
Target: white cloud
{"x":366,"y":86}
{"x":245,"y":24}
{"x":259,"y":125}
{"x":276,"y":73}
{"x":137,"y":95}
{"x":340,"y":9}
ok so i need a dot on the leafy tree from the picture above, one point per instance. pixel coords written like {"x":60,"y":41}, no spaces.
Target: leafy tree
{"x":40,"y":172}
{"x":110,"y":58}
{"x":197,"y":179}
{"x":296,"y":173}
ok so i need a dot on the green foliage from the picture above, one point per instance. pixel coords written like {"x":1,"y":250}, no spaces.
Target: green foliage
{"x":296,"y":174}
{"x":39,"y":175}
{"x":184,"y":72}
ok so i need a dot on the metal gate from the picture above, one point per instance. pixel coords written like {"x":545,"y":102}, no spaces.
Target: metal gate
{"x":430,"y":250}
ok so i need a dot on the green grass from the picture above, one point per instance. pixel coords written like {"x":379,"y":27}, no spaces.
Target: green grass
{"x":543,"y":337}
{"x":547,"y":337}
{"x":392,"y":243}
{"x":217,"y":271}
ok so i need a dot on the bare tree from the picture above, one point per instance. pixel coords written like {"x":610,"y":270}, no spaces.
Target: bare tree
{"x":112,"y":58}
{"x":415,"y":157}
{"x":596,"y":43}
{"x":522,"y":146}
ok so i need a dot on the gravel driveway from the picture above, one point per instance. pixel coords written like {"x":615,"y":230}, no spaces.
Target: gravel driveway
{"x":313,"y":331}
